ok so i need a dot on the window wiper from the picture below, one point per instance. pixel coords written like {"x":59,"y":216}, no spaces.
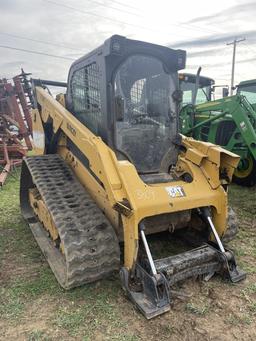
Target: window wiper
{"x":208,"y":99}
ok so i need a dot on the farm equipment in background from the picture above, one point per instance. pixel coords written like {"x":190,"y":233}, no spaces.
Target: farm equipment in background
{"x":229,"y":122}
{"x":248,"y":89}
{"x":110,"y":168}
{"x":15,"y":123}
{"x":195,"y":89}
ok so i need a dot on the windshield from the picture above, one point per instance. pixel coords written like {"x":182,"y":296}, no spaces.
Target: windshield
{"x":188,"y":88}
{"x":249,"y":91}
{"x":147,"y":123}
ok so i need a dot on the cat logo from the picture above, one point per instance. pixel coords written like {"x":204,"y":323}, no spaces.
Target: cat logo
{"x":175,"y":191}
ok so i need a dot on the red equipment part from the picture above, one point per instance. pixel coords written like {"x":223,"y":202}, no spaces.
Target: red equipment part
{"x":15,"y":123}
{"x":23,"y":102}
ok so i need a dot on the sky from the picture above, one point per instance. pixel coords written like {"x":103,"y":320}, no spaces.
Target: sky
{"x":67,"y":29}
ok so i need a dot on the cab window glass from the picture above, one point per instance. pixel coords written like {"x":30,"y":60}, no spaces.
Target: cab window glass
{"x":85,"y":89}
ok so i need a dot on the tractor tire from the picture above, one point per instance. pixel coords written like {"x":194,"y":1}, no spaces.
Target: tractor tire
{"x":232,"y":229}
{"x":246,"y":177}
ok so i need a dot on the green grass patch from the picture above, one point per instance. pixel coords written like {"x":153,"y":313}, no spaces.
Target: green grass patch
{"x":9,"y":203}
{"x":89,"y":309}
{"x":22,"y":291}
{"x":71,"y":319}
{"x":244,"y":199}
{"x":196,"y":309}
{"x":252,"y":308}
{"x":44,"y":283}
{"x":235,"y":320}
{"x":16,"y":239}
{"x":11,"y":307}
{"x":123,"y":337}
{"x":38,"y":335}
{"x":248,"y":267}
{"x":250,"y":289}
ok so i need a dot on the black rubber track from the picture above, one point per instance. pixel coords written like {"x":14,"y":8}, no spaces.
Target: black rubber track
{"x":90,"y":244}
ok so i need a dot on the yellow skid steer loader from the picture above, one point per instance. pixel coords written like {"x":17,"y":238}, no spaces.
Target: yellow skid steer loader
{"x":110,"y":168}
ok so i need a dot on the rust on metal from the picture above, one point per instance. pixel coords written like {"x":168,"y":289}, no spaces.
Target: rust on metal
{"x":15,"y":123}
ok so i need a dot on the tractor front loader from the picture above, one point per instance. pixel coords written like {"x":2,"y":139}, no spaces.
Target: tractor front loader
{"x":111,"y":169}
{"x":229,"y":122}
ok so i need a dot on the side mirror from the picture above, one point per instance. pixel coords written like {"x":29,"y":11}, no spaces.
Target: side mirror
{"x":225,"y":92}
{"x":119,"y":108}
{"x":177,"y":96}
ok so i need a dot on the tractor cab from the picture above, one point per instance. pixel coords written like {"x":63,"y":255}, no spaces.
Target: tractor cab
{"x":189,"y":88}
{"x":248,"y":89}
{"x":126,"y":92}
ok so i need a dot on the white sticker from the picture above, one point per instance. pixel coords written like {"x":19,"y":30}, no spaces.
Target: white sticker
{"x":38,"y":139}
{"x":243,"y":125}
{"x":175,"y":191}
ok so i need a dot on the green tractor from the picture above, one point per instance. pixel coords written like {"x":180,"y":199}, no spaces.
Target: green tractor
{"x":229,"y":121}
{"x":248,"y":89}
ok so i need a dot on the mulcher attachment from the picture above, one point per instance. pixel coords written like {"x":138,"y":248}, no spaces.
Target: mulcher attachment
{"x":149,"y":287}
{"x":205,"y":260}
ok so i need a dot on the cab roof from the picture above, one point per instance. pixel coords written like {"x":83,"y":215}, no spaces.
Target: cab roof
{"x":247,"y":82}
{"x":120,"y":46}
{"x":190,"y":77}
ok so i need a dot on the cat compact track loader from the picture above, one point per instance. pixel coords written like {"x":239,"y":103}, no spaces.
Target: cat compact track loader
{"x":110,"y":168}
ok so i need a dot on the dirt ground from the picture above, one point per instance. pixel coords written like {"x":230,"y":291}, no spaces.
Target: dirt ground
{"x":34,"y":307}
